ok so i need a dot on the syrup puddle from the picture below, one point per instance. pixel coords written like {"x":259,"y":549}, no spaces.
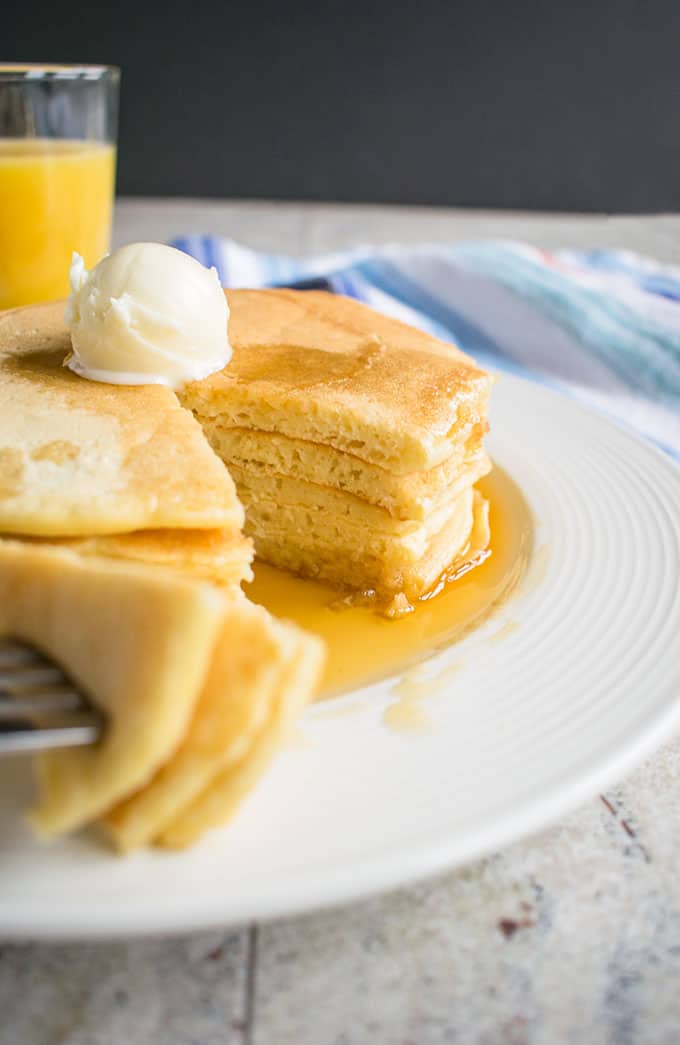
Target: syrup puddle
{"x":509,"y":628}
{"x":537,"y":571}
{"x":339,"y":710}
{"x":364,"y":647}
{"x":407,"y":714}
{"x":296,"y":739}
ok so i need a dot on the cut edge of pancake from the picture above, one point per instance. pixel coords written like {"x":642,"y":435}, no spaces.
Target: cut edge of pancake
{"x":249,"y":666}
{"x":218,"y":556}
{"x":393,"y":585}
{"x":406,"y":497}
{"x":341,"y":425}
{"x":218,"y":803}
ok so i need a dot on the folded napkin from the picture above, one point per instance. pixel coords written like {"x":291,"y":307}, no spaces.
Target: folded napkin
{"x":603,"y":326}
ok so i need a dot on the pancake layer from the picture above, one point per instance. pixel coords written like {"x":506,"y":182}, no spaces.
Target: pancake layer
{"x":324,"y":368}
{"x":410,"y":496}
{"x":79,"y":458}
{"x":219,"y":556}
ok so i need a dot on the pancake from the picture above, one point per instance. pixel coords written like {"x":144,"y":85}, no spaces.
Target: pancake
{"x":124,"y":514}
{"x":238,"y":703}
{"x":409,"y":496}
{"x":342,"y":515}
{"x":217,"y":804}
{"x":136,"y":640}
{"x":324,"y":368}
{"x":354,"y":440}
{"x":187,"y":675}
{"x":79,"y":458}
{"x":220,"y":556}
{"x":386,"y":568}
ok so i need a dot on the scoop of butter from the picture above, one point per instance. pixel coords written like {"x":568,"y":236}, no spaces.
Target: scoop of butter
{"x":146,"y":314}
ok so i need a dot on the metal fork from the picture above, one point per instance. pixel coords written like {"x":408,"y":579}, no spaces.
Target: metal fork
{"x":40,"y":707}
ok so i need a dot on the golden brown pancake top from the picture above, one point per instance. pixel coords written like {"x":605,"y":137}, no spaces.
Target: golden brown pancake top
{"x":80,"y":457}
{"x":318,"y":366}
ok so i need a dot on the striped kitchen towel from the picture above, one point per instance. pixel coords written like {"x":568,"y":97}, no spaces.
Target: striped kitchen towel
{"x":603,"y":326}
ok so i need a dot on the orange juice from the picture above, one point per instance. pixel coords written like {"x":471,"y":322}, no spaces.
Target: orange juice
{"x":56,"y":196}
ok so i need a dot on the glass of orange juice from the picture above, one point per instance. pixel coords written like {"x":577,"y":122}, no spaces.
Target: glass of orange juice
{"x":57,"y":172}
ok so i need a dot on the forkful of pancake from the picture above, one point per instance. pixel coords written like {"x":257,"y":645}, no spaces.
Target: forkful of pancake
{"x":152,"y":441}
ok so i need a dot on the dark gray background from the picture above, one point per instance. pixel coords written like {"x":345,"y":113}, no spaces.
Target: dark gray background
{"x":525,"y":104}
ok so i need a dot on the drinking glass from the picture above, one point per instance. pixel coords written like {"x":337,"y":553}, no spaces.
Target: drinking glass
{"x":58,"y":126}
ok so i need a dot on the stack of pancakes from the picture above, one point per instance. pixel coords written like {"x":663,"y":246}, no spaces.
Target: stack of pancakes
{"x":121,"y":558}
{"x":354,"y":441}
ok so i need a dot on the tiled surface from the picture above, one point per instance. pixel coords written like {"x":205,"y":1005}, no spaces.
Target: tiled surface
{"x":170,"y":992}
{"x":572,"y":936}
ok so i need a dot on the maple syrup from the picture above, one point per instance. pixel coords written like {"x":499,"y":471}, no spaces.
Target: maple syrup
{"x":364,"y":646}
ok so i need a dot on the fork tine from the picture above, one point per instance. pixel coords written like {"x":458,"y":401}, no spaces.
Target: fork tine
{"x":14,"y":655}
{"x":39,"y":707}
{"x":31,"y":740}
{"x":39,"y":703}
{"x":26,"y":678}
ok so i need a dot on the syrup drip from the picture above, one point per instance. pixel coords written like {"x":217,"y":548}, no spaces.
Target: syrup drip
{"x":364,"y":646}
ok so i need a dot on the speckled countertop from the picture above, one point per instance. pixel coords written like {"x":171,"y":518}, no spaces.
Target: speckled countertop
{"x":572,"y":936}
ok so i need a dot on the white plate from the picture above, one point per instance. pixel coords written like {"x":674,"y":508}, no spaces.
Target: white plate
{"x":530,"y":726}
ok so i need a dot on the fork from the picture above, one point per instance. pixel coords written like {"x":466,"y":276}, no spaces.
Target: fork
{"x":40,"y":708}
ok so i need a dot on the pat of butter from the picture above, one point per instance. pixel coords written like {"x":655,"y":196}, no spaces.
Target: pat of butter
{"x":146,"y":314}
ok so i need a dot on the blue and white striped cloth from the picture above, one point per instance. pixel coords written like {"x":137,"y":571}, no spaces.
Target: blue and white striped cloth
{"x":604,"y":326}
